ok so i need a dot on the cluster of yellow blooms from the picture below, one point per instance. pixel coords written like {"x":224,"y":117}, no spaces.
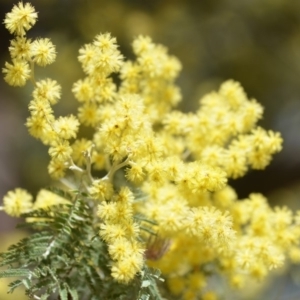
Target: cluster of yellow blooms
{"x":178,"y":162}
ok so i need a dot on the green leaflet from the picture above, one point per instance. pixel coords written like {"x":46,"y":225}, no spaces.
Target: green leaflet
{"x":14,"y":273}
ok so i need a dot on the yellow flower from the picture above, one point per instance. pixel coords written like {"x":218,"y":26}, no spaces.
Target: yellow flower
{"x":83,"y":90}
{"x":21,"y":18}
{"x":125,"y":269}
{"x":46,"y":199}
{"x":107,"y":211}
{"x":47,"y":90}
{"x":129,"y":71}
{"x":111,"y":232}
{"x":123,"y":272}
{"x":252,"y":112}
{"x":66,"y":127}
{"x":61,"y":150}
{"x":125,"y":195}
{"x":88,"y":114}
{"x":135,"y":173}
{"x":57,"y":168}
{"x":235,"y":162}
{"x":105,"y":42}
{"x":104,"y":88}
{"x":43,"y":52}
{"x":233,"y":93}
{"x":101,"y":189}
{"x":120,"y":248}
{"x":17,"y":202}
{"x":17,"y":73}
{"x":20,"y":48}
{"x":39,"y":128}
{"x":86,"y":54}
{"x":142,"y":44}
{"x":40,"y":109}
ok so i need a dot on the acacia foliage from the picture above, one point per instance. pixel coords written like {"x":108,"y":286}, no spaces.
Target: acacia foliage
{"x":65,"y":258}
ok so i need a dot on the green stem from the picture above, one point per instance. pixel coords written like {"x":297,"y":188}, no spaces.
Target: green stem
{"x":32,"y":73}
{"x":115,"y":168}
{"x":88,"y":154}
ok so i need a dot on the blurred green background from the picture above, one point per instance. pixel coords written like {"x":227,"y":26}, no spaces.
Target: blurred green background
{"x":256,"y":42}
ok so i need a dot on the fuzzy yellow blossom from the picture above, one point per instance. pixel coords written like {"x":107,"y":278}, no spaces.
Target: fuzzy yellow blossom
{"x":234,"y":162}
{"x":252,"y":112}
{"x":111,"y":232}
{"x":105,"y":42}
{"x":17,"y":73}
{"x":124,"y":248}
{"x":129,"y":71}
{"x":154,"y":72}
{"x":20,"y":47}
{"x":264,"y":145}
{"x":282,"y":217}
{"x":39,"y":127}
{"x":135,"y":173}
{"x":107,"y":92}
{"x":57,"y":169}
{"x":197,"y":177}
{"x":142,"y":44}
{"x":43,"y":52}
{"x":125,"y":195}
{"x":46,"y":198}
{"x":66,"y":127}
{"x":120,"y":249}
{"x":88,"y":114}
{"x":125,"y":270}
{"x":101,"y":56}
{"x":109,"y":60}
{"x":47,"y":90}
{"x":133,"y":231}
{"x":233,"y":93}
{"x":107,"y":211}
{"x":124,"y":212}
{"x":175,"y":123}
{"x":225,"y":198}
{"x":86,"y":54}
{"x":101,"y":190}
{"x":83,"y":90}
{"x":60,"y":150}
{"x":20,"y":19}
{"x":211,"y":226}
{"x":17,"y":202}
{"x":40,"y":109}
{"x":156,"y":173}
{"x":36,"y":126}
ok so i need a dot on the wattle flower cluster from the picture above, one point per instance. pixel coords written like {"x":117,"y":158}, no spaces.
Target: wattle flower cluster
{"x":166,"y":171}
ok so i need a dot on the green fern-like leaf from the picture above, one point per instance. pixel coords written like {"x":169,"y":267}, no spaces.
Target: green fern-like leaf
{"x":18,"y":272}
{"x":66,"y":258}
